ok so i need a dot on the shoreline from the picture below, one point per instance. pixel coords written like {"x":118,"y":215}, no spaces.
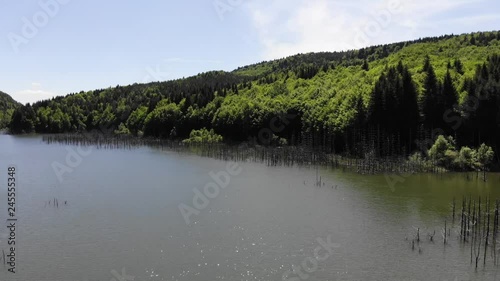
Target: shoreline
{"x":271,"y":155}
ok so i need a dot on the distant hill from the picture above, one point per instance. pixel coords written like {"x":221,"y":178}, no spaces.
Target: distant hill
{"x":7,"y":106}
{"x":381,"y":98}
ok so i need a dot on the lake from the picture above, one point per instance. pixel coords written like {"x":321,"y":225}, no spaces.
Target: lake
{"x":117,"y":216}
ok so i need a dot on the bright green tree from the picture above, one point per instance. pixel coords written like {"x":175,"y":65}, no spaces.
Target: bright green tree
{"x":443,"y":151}
{"x":484,"y":156}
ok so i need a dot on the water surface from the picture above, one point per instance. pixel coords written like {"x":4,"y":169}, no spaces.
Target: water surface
{"x":122,"y":213}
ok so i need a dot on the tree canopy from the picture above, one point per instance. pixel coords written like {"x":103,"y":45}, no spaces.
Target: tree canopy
{"x":381,"y":98}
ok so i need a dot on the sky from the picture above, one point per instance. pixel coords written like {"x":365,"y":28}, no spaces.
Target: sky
{"x":56,"y":47}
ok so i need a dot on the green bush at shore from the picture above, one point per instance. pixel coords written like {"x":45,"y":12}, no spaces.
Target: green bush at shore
{"x":444,"y":153}
{"x":203,"y":136}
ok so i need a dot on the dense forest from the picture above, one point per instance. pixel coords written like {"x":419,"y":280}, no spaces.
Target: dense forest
{"x":7,"y":107}
{"x":385,"y":100}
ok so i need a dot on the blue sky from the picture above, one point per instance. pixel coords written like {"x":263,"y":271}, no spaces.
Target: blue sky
{"x":56,"y":47}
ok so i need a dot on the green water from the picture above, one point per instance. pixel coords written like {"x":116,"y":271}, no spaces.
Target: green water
{"x":122,"y":213}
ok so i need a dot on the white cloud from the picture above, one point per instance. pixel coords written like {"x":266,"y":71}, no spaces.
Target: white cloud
{"x":299,"y":26}
{"x":36,"y":93}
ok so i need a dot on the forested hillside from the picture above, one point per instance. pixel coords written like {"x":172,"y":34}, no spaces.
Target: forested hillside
{"x":7,"y":106}
{"x":381,"y":99}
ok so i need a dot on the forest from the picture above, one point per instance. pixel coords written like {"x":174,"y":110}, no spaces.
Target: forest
{"x":7,"y":107}
{"x":387,"y":100}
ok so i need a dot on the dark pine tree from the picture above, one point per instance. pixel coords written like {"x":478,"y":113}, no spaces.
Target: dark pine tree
{"x":431,"y":104}
{"x":393,"y":108}
{"x":450,"y":99}
{"x":366,"y":67}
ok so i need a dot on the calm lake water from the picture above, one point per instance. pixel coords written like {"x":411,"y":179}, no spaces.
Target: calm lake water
{"x":122,"y":216}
